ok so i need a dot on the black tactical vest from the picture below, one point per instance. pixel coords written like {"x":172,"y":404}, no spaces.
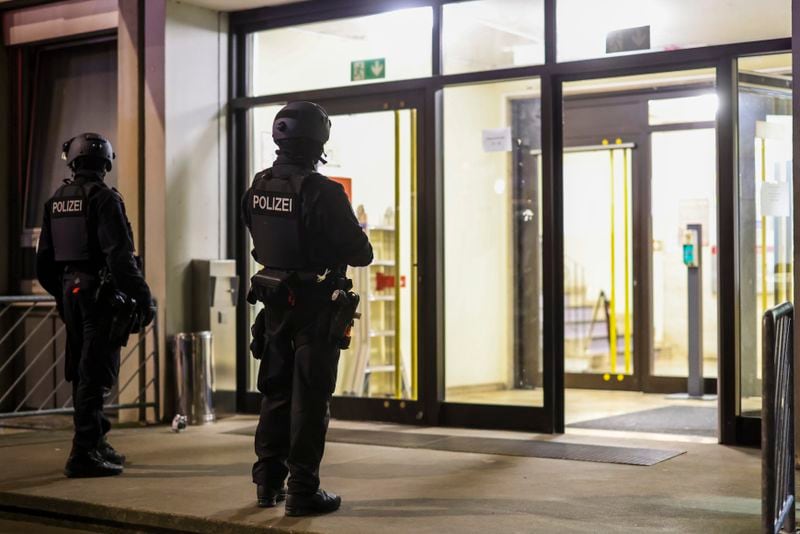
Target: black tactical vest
{"x":69,"y":217}
{"x":276,"y":222}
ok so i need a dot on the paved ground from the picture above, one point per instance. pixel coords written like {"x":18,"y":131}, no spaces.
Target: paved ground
{"x":198,"y":481}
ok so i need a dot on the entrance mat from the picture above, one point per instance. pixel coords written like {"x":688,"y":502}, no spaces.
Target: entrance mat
{"x":686,"y":420}
{"x":507,"y":447}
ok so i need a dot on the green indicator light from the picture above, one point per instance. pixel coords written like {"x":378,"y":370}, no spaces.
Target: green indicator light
{"x":688,"y":254}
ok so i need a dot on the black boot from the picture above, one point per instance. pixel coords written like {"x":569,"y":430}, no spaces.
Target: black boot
{"x":86,"y":464}
{"x":268,"y":497}
{"x":109,"y":453}
{"x":321,"y":502}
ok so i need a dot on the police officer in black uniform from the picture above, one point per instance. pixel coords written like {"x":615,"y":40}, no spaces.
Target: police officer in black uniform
{"x":305,"y":235}
{"x":85,"y":232}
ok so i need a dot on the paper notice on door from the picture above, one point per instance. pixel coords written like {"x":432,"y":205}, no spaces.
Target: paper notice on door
{"x":775,"y":199}
{"x":497,"y":140}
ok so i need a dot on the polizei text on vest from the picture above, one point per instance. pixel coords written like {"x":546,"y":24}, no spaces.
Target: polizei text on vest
{"x":273,"y":203}
{"x":67,"y":206}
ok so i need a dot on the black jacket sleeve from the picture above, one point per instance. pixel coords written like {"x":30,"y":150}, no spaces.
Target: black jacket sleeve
{"x":46,"y":268}
{"x":245,"y":215}
{"x":116,"y":242}
{"x":340,"y":227}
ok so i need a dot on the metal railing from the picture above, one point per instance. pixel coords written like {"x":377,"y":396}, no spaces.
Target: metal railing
{"x":777,"y":421}
{"x":32,"y":352}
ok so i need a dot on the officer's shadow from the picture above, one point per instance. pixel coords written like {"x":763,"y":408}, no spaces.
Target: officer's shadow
{"x":433,"y":507}
{"x":137,"y":470}
{"x":388,"y":508}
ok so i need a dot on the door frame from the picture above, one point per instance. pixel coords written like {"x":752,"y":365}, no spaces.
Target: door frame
{"x":732,"y":427}
{"x":359,"y":408}
{"x":642,"y":378}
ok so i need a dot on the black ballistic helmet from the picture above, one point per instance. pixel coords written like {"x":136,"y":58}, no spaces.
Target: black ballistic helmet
{"x":302,"y":120}
{"x":88,"y":145}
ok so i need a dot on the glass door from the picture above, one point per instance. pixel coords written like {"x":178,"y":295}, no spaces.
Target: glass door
{"x":598,"y":261}
{"x":494,"y":362}
{"x":372,"y":153}
{"x":765,"y":209}
{"x":639,"y":169}
{"x":684,"y":193}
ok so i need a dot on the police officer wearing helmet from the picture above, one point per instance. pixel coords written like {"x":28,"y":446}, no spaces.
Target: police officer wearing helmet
{"x":86,"y":236}
{"x":305,"y":234}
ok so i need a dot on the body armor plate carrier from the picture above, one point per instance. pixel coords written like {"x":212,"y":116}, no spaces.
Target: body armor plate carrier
{"x":276,"y":216}
{"x":69,"y":222}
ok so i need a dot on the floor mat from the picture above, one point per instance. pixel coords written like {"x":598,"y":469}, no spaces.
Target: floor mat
{"x":687,"y":420}
{"x":507,"y":447}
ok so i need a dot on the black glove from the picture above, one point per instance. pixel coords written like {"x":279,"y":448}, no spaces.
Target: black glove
{"x":147,"y":313}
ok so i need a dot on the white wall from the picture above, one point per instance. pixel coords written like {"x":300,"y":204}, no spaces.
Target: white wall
{"x":196,"y":95}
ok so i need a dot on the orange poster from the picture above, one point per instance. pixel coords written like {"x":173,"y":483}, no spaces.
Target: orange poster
{"x":347,"y":183}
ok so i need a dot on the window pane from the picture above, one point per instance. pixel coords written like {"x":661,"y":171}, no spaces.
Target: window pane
{"x":765,"y":228}
{"x":684,"y":192}
{"x":262,"y":154}
{"x":76,"y":91}
{"x":382,"y":359}
{"x":492,"y":34}
{"x":587,"y":29}
{"x":686,"y":109}
{"x":598,"y":289}
{"x":376,"y":48}
{"x":492,"y":220}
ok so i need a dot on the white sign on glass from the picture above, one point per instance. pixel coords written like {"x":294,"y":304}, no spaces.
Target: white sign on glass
{"x":775,"y":199}
{"x":497,"y":140}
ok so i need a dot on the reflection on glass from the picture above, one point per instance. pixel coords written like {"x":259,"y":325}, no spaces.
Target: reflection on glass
{"x":598,"y":282}
{"x":587,"y":29}
{"x":395,"y":45}
{"x":492,"y":221}
{"x":684,"y":191}
{"x":492,"y":34}
{"x":382,"y":360}
{"x":765,"y":207}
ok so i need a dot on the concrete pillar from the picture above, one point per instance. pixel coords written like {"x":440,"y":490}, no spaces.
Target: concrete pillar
{"x":141,"y":159}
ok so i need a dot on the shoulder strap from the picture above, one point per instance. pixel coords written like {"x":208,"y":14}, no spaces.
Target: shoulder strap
{"x":298,"y":181}
{"x":262,"y":176}
{"x":74,"y":185}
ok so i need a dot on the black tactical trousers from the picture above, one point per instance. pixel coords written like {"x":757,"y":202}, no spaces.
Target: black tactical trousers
{"x":297,"y":377}
{"x":92,"y":363}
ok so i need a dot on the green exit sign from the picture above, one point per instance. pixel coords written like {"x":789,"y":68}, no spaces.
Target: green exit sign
{"x":367,"y":69}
